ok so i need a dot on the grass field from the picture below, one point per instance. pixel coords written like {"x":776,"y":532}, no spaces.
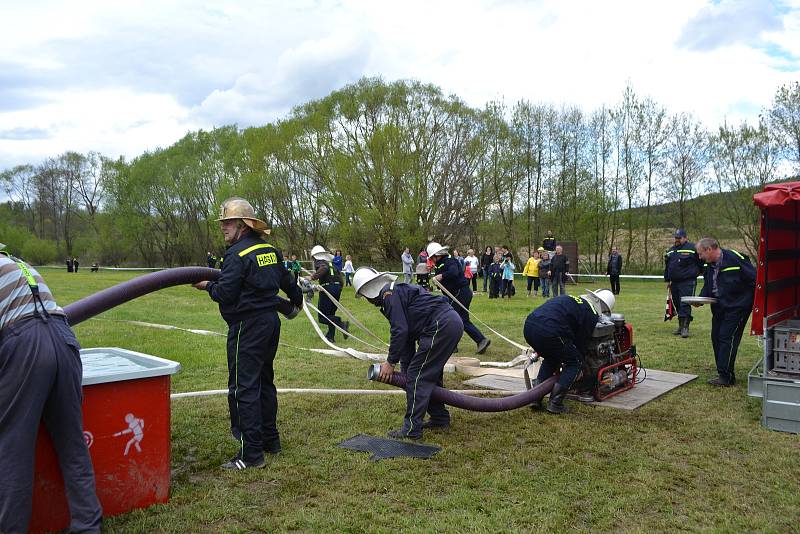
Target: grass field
{"x":696,"y":459}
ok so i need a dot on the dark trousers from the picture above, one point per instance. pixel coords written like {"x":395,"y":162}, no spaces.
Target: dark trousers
{"x":485,"y":278}
{"x":614,"y":280}
{"x":507,"y":288}
{"x":464,"y":296}
{"x":557,"y":284}
{"x":347,"y":279}
{"x":727,"y":326}
{"x":252,"y":397}
{"x":40,"y":378}
{"x":557,"y":353}
{"x":533,"y":281}
{"x":494,"y":288}
{"x":684,"y":288}
{"x":328,"y":308}
{"x":474,"y":282}
{"x":424,"y":372}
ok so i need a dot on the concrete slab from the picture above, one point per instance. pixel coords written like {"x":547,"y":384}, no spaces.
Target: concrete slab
{"x":656,"y":384}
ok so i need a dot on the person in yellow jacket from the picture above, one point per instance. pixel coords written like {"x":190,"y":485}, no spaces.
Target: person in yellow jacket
{"x":531,"y":270}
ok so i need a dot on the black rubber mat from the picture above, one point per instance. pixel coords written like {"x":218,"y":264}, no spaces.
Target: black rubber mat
{"x":388,"y":448}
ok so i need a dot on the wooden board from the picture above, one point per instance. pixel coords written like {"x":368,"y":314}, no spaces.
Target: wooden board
{"x":656,"y":384}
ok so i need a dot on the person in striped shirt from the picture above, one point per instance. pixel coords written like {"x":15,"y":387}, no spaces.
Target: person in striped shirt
{"x":40,"y":378}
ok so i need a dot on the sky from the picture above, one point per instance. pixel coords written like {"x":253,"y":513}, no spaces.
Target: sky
{"x":124,"y":77}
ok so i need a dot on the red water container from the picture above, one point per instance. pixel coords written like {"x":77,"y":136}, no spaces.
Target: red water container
{"x":126,"y":420}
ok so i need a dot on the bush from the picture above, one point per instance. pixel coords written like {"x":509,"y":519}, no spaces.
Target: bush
{"x":39,"y":251}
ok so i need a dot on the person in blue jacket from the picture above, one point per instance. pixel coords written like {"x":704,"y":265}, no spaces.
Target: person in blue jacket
{"x":682,"y":266}
{"x":731,"y":279}
{"x":450,"y":274}
{"x":558,"y":331}
{"x":424,"y":330}
{"x":247,"y":293}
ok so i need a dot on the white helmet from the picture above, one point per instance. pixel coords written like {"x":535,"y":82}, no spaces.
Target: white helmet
{"x":319,"y":253}
{"x":435,"y":249}
{"x":368,"y":282}
{"x":603,"y":298}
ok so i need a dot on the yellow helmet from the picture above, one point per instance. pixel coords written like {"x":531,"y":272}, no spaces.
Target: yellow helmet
{"x":239,"y":208}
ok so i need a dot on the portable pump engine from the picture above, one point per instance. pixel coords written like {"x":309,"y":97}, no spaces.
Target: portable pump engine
{"x":609,"y":365}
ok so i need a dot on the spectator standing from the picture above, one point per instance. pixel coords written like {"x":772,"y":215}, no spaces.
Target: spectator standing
{"x":69,"y":265}
{"x":531,"y":270}
{"x":486,"y":261}
{"x":614,"y":269}
{"x":348,"y":270}
{"x":508,"y":277}
{"x":459,"y":259}
{"x":544,"y":273}
{"x":471,"y":262}
{"x":75,"y":263}
{"x":559,"y":269}
{"x":338,"y":260}
{"x":422,"y":257}
{"x":408,"y":265}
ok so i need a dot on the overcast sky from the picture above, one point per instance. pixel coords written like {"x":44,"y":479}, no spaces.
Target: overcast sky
{"x":122,"y":77}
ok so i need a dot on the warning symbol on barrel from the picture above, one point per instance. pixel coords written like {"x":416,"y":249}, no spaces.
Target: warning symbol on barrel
{"x":135,"y":427}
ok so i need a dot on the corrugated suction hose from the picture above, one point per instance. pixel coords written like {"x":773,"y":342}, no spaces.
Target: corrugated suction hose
{"x":476,"y":404}
{"x":108,"y":298}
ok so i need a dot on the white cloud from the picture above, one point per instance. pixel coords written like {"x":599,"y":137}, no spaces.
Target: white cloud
{"x":128,"y":76}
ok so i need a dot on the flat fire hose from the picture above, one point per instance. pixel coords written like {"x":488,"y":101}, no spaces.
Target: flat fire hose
{"x":341,"y":307}
{"x":348,"y":351}
{"x":339,"y":328}
{"x":523,"y":348}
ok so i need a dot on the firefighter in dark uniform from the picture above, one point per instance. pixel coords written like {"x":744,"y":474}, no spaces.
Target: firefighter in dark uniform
{"x":329,"y":277}
{"x":449,"y":273}
{"x":247,"y":293}
{"x":211,"y":260}
{"x":40,"y":380}
{"x":549,"y":242}
{"x":558,"y":331}
{"x":682,"y":265}
{"x":731,"y":279}
{"x":424,"y":330}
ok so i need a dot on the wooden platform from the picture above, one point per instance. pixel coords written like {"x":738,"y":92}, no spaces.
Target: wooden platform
{"x":656,"y":384}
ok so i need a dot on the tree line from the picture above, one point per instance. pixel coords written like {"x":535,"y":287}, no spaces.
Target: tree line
{"x":376,"y":166}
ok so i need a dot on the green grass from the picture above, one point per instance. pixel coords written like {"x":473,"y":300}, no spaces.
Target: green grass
{"x":694,"y":459}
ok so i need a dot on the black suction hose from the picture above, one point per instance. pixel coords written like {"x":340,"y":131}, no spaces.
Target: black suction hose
{"x":106,"y":299}
{"x":476,"y":404}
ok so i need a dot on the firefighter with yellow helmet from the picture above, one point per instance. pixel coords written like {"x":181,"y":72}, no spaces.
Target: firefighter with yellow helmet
{"x":247,"y":292}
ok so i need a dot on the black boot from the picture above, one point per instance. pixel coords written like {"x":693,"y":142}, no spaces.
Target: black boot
{"x":685,"y":326}
{"x":556,"y":404}
{"x":678,"y":328}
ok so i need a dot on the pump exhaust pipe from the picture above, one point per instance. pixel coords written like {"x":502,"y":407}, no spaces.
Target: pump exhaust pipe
{"x":474,"y":404}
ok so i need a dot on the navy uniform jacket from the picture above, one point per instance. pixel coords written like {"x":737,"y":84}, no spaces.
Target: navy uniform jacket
{"x":681,"y":262}
{"x":736,"y":281}
{"x":410,"y":309}
{"x":252,"y":273}
{"x":453,"y":277}
{"x":495,"y":271}
{"x":549,"y":243}
{"x":326,"y":273}
{"x":566,"y":316}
